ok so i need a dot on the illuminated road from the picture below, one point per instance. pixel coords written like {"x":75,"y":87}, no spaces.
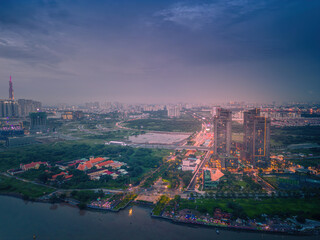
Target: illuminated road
{"x":197,"y":173}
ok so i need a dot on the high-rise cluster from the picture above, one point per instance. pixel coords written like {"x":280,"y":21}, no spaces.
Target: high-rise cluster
{"x":256,"y":138}
{"x":8,"y":108}
{"x":256,"y":147}
{"x":21,"y":108}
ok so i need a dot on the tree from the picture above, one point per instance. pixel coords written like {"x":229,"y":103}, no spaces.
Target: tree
{"x":105,"y":178}
{"x":43,"y":177}
{"x":101,"y":193}
{"x":177,"y":199}
{"x":301,"y":219}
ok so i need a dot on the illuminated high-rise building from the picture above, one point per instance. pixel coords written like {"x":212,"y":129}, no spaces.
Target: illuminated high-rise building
{"x":256,"y":138}
{"x":11,"y":96}
{"x":222,"y":132}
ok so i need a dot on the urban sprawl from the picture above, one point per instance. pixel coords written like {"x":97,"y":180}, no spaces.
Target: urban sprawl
{"x":238,"y":165}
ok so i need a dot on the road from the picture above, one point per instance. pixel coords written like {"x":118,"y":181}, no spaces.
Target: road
{"x":264,"y":184}
{"x":197,"y":172}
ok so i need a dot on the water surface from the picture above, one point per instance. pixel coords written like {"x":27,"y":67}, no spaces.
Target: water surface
{"x":20,"y":220}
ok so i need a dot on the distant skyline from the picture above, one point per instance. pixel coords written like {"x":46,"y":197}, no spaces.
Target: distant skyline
{"x":165,"y":51}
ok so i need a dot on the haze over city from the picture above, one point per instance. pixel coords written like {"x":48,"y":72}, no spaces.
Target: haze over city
{"x":160,"y":119}
{"x":161,"y":51}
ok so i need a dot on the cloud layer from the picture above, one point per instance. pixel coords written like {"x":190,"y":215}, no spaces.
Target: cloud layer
{"x":160,"y":51}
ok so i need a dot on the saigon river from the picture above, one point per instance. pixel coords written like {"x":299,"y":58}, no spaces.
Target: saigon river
{"x":21,"y":220}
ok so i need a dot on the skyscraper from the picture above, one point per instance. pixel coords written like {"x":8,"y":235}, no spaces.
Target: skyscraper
{"x":256,"y":138}
{"x":174,"y":111}
{"x":222,"y":132}
{"x":8,"y":108}
{"x":11,"y":96}
{"x":38,"y":122}
{"x":27,"y":106}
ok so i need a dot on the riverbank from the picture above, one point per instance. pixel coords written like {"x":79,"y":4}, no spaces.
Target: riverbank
{"x":176,"y":210}
{"x":129,"y":223}
{"x":272,"y":225}
{"x":237,"y":228}
{"x":64,"y":222}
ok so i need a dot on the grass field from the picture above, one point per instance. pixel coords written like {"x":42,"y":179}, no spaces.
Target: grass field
{"x":166,"y":125}
{"x":28,"y":190}
{"x":254,"y":208}
{"x":294,"y":135}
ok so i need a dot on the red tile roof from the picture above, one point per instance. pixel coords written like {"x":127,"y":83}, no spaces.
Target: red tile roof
{"x":108,"y":172}
{"x":97,"y":160}
{"x":81,"y":167}
{"x":89,"y":164}
{"x":60,"y":174}
{"x":64,"y":174}
{"x":32,"y":165}
{"x":85,"y":166}
{"x":102,"y":164}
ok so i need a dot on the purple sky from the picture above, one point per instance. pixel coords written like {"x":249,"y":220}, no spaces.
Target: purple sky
{"x":161,"y":51}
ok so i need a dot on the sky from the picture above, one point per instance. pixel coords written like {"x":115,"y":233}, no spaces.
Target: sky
{"x":153,"y":51}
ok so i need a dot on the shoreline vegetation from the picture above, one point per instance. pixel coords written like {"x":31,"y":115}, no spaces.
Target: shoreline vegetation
{"x":234,"y":228}
{"x":26,"y":190}
{"x":75,"y":203}
{"x":145,"y":166}
{"x":242,"y":208}
{"x":268,"y":215}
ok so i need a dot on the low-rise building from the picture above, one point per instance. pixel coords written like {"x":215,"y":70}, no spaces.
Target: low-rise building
{"x":32,"y":165}
{"x":190,"y":164}
{"x":211,"y":178}
{"x":64,"y":176}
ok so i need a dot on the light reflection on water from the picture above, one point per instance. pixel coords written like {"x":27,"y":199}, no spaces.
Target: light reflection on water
{"x":63,"y":222}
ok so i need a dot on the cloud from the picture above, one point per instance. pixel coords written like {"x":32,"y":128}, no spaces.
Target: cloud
{"x":190,"y":16}
{"x":31,"y":32}
{"x":196,"y":16}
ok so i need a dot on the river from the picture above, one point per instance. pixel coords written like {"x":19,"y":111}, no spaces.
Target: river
{"x":21,"y":220}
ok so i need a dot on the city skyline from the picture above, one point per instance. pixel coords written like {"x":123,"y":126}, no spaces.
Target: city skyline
{"x":168,"y":51}
{"x":156,"y":119}
{"x":169,"y":105}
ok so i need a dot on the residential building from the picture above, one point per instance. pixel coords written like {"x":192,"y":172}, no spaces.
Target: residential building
{"x":222,"y":132}
{"x":38,"y":122}
{"x":174,"y":111}
{"x":257,"y":138}
{"x":26,"y":106}
{"x":9,"y":108}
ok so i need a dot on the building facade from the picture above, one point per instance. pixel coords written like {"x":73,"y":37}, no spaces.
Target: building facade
{"x":174,"y":111}
{"x":26,"y":106}
{"x":38,"y":122}
{"x":222,"y":132}
{"x":257,"y":138}
{"x":9,"y":108}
